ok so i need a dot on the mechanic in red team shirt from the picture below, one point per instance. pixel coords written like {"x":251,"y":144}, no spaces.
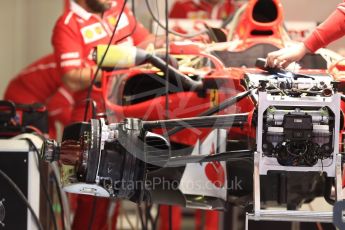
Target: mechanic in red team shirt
{"x":41,"y":82}
{"x":202,"y":9}
{"x":330,"y":30}
{"x":87,"y":24}
{"x":77,"y":32}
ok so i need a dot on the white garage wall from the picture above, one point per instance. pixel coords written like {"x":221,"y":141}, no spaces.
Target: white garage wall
{"x":308,"y":9}
{"x":312,"y":10}
{"x":156,"y":5}
{"x":25,"y":31}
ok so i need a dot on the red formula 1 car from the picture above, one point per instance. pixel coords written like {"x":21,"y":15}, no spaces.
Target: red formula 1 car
{"x":209,"y":136}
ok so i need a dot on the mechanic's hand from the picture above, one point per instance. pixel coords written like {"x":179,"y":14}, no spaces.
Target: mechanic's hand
{"x":283,"y":57}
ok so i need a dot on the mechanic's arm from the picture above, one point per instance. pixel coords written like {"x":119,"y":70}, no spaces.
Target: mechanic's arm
{"x":330,"y":30}
{"x":80,"y":78}
{"x":60,"y":105}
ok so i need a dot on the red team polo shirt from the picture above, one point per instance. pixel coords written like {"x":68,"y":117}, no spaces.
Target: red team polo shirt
{"x":78,"y":32}
{"x":40,"y":82}
{"x":201,"y":9}
{"x":35,"y":83}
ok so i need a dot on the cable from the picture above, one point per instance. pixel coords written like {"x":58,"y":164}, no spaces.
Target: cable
{"x":170,"y":217}
{"x":22,"y":197}
{"x":60,"y":201}
{"x":93,"y":213}
{"x":143,"y":226}
{"x":133,"y":7}
{"x":44,"y":187}
{"x":342,"y":97}
{"x":157,"y":27}
{"x":167,"y":62}
{"x":134,"y":28}
{"x":88,"y":97}
{"x":127,"y":218}
{"x":235,"y":20}
{"x":318,"y":224}
{"x":65,"y":209}
{"x":93,"y":106}
{"x":146,"y":214}
{"x":33,"y":129}
{"x":166,"y":27}
{"x":155,"y":220}
{"x":328,"y":191}
{"x":226,"y":21}
{"x":182,"y":79}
